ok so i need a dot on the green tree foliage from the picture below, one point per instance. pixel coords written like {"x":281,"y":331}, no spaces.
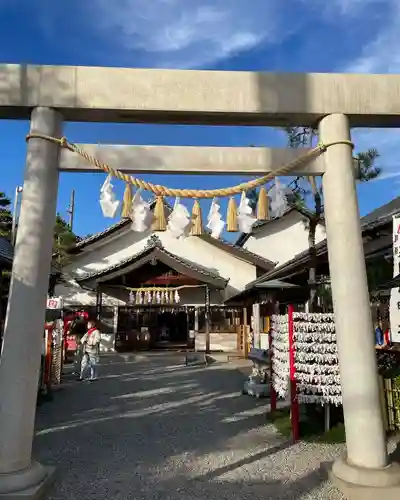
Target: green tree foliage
{"x":63,"y":240}
{"x":252,"y":195}
{"x":5,"y":232}
{"x":5,"y":216}
{"x":308,"y":193}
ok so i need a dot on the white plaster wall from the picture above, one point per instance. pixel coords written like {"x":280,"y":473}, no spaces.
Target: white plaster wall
{"x":97,"y":257}
{"x":282,"y":239}
{"x":74,"y":295}
{"x":128,"y":243}
{"x":207,"y":255}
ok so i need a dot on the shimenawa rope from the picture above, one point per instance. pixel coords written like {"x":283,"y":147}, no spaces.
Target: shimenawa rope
{"x":159,"y":190}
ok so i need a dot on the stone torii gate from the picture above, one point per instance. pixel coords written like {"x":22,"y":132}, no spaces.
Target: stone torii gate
{"x":334,"y":102}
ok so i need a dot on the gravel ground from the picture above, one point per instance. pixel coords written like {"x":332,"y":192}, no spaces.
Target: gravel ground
{"x":154,"y":429}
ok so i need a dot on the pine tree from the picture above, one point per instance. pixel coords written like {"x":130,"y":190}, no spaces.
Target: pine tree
{"x":252,"y":195}
{"x":308,"y":194}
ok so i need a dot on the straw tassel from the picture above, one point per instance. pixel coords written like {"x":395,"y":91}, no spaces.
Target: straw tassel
{"x":160,"y":219}
{"x":197,"y":223}
{"x":231,"y":218}
{"x":127,"y":201}
{"x":263,"y":205}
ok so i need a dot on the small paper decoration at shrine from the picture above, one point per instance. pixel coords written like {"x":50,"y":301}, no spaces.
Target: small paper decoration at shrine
{"x":127,"y":201}
{"x":140,"y":214}
{"x":180,"y":223}
{"x":232,"y":216}
{"x":263,"y":204}
{"x":316,"y":363}
{"x":279,"y":202}
{"x":245,"y":216}
{"x":280,"y":354}
{"x":108,"y":202}
{"x":179,"y":220}
{"x":215,"y":222}
{"x":197,"y":219}
{"x":155,"y":296}
{"x":317,"y":368}
{"x":159,"y":216}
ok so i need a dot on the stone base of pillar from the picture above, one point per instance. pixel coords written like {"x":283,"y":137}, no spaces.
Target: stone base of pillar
{"x":30,"y":484}
{"x":357,"y":483}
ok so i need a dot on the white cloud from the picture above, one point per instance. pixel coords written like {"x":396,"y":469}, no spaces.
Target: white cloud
{"x":381,"y":55}
{"x":349,"y":7}
{"x":189,"y":33}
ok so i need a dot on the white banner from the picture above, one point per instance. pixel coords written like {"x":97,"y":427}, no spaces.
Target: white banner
{"x":395,"y":292}
{"x":54,"y":303}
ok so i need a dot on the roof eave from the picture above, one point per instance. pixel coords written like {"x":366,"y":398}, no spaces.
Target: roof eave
{"x":144,"y":257}
{"x":110,"y":230}
{"x":240,"y":253}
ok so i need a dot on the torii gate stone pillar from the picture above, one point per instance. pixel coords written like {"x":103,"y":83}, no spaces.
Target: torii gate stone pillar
{"x":366,"y":463}
{"x":23,"y":335}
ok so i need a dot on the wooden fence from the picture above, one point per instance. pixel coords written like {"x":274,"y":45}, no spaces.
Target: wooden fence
{"x":390,"y":388}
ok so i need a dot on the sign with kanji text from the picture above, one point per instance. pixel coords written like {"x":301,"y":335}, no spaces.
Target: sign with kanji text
{"x":54,"y":303}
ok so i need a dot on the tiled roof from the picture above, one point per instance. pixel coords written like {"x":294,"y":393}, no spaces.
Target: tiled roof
{"x":382,"y":213}
{"x":106,"y":232}
{"x":102,"y":234}
{"x":155,"y":245}
{"x":6,"y":251}
{"x":229,"y":247}
{"x":375,"y":220}
{"x":7,"y":255}
{"x":263,"y":223}
{"x":245,"y":254}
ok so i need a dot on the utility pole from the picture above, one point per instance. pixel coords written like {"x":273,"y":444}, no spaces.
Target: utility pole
{"x":71,"y":210}
{"x":15,"y":215}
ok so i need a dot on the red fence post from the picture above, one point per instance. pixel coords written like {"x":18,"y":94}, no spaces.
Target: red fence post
{"x":294,"y":405}
{"x":271,"y":371}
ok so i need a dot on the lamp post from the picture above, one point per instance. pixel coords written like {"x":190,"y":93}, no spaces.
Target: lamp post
{"x":18,"y":191}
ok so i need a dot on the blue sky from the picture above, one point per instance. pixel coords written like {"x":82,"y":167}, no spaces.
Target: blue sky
{"x":260,"y":35}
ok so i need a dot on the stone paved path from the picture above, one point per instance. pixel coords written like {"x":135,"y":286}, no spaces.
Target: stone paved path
{"x":154,"y":429}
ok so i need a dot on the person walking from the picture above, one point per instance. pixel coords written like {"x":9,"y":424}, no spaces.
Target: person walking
{"x":77,"y":327}
{"x":91,"y":349}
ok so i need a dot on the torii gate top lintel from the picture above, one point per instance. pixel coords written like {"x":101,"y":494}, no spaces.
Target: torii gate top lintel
{"x":95,"y":94}
{"x":50,"y":94}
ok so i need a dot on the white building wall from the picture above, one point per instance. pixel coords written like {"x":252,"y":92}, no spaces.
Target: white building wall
{"x":96,"y":257}
{"x":207,"y":255}
{"x":128,"y":243}
{"x":282,"y":239}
